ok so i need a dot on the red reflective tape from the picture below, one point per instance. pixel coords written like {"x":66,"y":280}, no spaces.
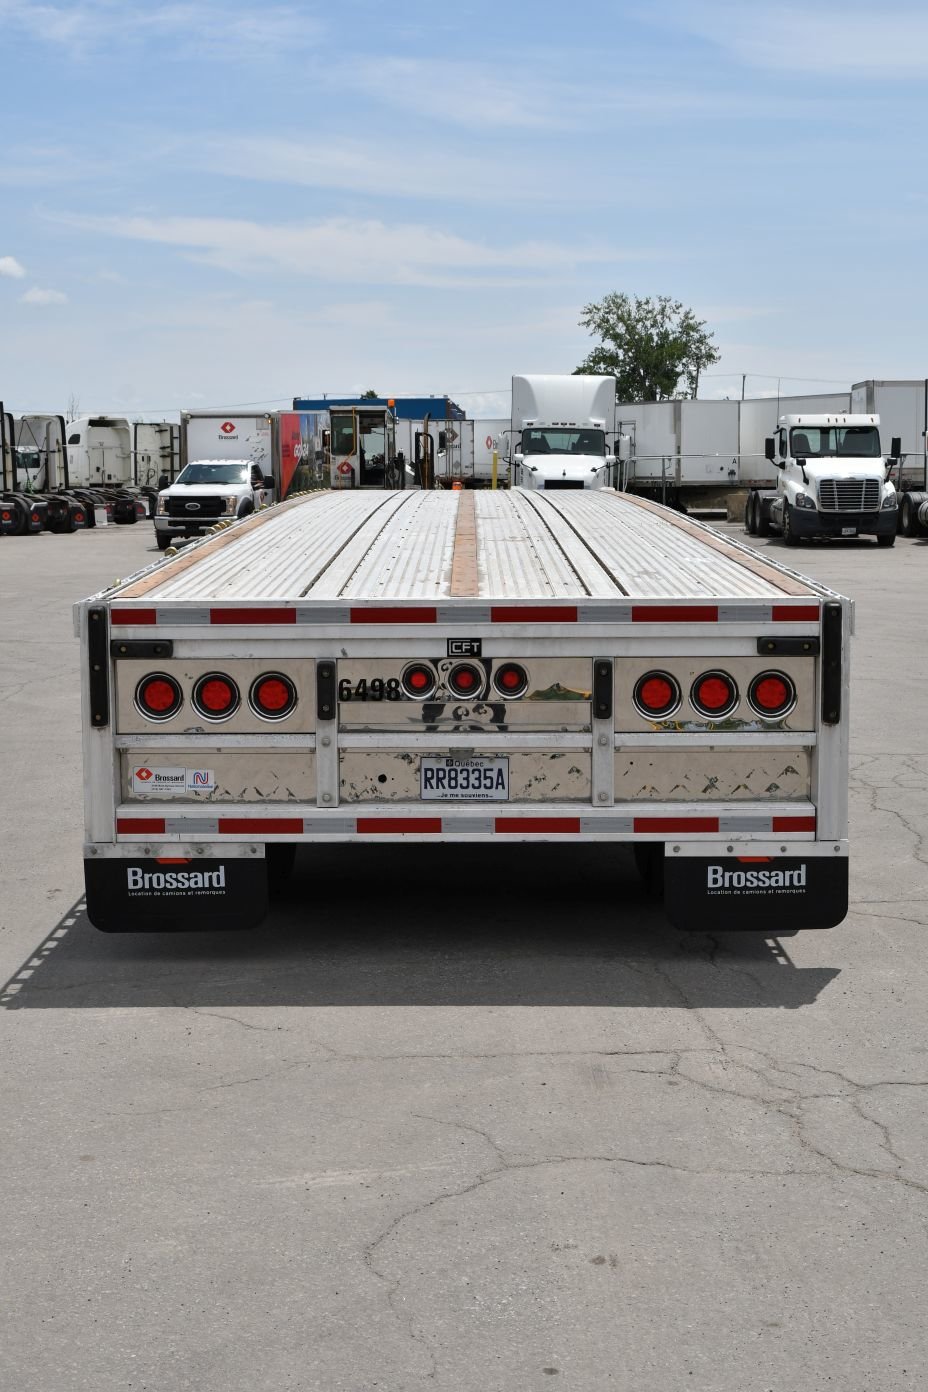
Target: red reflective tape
{"x":252,"y":616}
{"x":391,"y":825}
{"x":533,"y":613}
{"x":139,"y":826}
{"x":676,"y":824}
{"x":795,"y":613}
{"x":537,"y":825}
{"x":133,"y":616}
{"x":276,"y":826}
{"x":173,"y":860}
{"x":792,"y":824}
{"x":415,"y":614}
{"x":755,"y":860}
{"x":675,"y":613}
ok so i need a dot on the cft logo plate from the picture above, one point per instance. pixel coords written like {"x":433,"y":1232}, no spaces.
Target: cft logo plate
{"x":465,"y":647}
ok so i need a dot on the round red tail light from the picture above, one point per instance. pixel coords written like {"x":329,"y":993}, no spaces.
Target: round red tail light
{"x":418,"y":681}
{"x":510,"y":680}
{"x":772,"y":694}
{"x":465,"y":680}
{"x":215,"y":696}
{"x":158,"y":696}
{"x":657,"y":695}
{"x":272,"y":696}
{"x":714,"y":695}
{"x":6,"y":516}
{"x":78,"y":517}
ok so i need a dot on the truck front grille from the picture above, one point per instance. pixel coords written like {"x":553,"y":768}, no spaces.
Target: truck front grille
{"x":849,"y":495}
{"x":205,"y":507}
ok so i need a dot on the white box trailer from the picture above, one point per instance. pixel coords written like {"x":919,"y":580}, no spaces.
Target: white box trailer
{"x":226,"y":435}
{"x":473,"y":667}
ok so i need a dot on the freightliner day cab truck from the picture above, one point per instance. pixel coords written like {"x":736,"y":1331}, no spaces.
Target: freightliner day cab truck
{"x":367,"y":665}
{"x":562,"y":431}
{"x":833,"y":481}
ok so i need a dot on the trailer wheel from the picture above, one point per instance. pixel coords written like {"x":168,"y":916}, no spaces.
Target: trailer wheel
{"x":789,"y":536}
{"x":762,"y":519}
{"x":908,"y":514}
{"x":750,"y":515}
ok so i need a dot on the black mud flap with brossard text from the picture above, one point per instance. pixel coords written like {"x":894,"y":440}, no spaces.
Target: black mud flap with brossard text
{"x":175,"y":895}
{"x":755,"y":893}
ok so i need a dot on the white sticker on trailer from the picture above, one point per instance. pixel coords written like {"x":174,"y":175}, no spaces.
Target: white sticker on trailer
{"x":162,"y":781}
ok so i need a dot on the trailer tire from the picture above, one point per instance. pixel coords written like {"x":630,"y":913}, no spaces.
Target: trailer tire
{"x":789,"y":535}
{"x":909,"y":524}
{"x":762,"y":519}
{"x":750,"y":515}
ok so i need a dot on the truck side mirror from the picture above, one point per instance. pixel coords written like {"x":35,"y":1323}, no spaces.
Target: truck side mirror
{"x":164,"y":482}
{"x":770,"y":449}
{"x":895,"y":448}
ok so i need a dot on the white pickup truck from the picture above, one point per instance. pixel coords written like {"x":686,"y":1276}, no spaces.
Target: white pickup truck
{"x":207,"y":491}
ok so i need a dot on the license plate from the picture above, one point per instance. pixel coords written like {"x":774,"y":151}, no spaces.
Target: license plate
{"x":848,"y":531}
{"x":464,"y":779}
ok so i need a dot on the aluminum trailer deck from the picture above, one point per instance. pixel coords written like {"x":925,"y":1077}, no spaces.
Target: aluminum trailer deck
{"x":490,"y":667}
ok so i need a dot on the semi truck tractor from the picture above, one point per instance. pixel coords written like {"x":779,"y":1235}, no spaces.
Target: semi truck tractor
{"x":562,"y":431}
{"x":413,"y":666}
{"x":833,"y":481}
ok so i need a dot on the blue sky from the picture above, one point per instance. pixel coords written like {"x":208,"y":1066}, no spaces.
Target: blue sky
{"x":211,"y":203}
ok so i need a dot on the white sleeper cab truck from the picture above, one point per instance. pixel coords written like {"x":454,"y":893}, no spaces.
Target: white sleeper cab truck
{"x":417,"y":666}
{"x":562,"y":431}
{"x":207,"y":491}
{"x":833,"y":481}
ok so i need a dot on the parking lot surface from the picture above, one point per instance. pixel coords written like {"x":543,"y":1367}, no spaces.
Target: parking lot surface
{"x":457,"y":1118}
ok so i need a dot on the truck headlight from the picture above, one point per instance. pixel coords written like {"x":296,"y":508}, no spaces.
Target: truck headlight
{"x":232,"y":504}
{"x":804,"y":501}
{"x":889,"y":502}
{"x":162,"y":507}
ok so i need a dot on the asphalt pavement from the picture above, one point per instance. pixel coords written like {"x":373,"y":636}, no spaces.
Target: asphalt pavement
{"x":461,"y":1119}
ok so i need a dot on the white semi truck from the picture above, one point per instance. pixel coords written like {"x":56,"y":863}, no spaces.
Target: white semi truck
{"x":562,"y":431}
{"x":477,"y":667}
{"x":833,"y":481}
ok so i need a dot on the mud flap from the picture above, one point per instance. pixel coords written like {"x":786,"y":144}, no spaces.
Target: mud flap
{"x":756,"y":891}
{"x":146,"y":895}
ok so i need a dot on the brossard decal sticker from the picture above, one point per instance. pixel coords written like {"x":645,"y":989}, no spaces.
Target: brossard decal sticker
{"x":146,"y":882}
{"x":722,"y":881}
{"x":160,"y":782}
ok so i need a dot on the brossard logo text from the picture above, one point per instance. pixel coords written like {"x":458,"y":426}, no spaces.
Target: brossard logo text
{"x":176,"y":879}
{"x":717,"y":877}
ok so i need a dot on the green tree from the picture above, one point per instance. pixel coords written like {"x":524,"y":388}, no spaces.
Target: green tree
{"x":369,"y":395}
{"x":655,"y":348}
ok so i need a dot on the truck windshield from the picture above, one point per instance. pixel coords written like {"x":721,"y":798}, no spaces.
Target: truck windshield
{"x":236,"y":472}
{"x":813,"y":441}
{"x":537,"y":441}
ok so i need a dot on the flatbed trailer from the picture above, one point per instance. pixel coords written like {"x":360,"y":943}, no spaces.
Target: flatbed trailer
{"x":489,"y":667}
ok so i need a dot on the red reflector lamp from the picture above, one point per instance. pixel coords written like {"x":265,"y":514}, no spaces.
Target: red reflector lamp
{"x":772,"y":694}
{"x":714,"y":695}
{"x":657,"y":695}
{"x":6,"y":516}
{"x":215,"y":696}
{"x":465,"y":680}
{"x":510,"y":680}
{"x":418,"y":681}
{"x":158,"y":696}
{"x":272,"y":696}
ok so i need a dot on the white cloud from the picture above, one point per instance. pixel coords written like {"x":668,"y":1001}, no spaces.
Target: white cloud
{"x":356,"y":251}
{"x":888,"y":40}
{"x":10,"y":267}
{"x":190,"y":26}
{"x":37,"y":296}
